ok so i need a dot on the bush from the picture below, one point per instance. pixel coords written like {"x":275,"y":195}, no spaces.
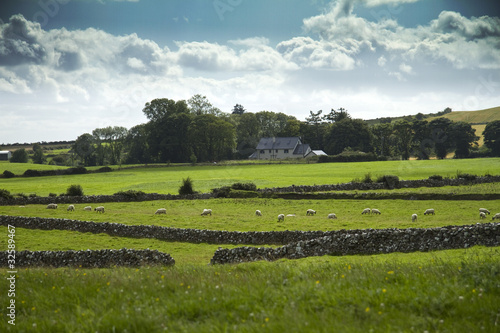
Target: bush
{"x":186,"y":187}
{"x":104,"y":169}
{"x":243,"y":194}
{"x":8,"y":174}
{"x":74,"y":191}
{"x":436,"y":177}
{"x":52,"y":195}
{"x":132,"y":194}
{"x":222,"y":192}
{"x":31,"y":173}
{"x":244,"y":186}
{"x":389,"y":181}
{"x":4,"y":194}
{"x":367,"y":179}
{"x":466,"y":176}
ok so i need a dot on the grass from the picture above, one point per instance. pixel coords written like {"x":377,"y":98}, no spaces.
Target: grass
{"x":475,"y":117}
{"x":168,"y":180}
{"x":447,"y":291}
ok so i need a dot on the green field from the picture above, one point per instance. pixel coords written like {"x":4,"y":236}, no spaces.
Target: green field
{"x":473,"y":117}
{"x":441,"y":291}
{"x":168,"y":179}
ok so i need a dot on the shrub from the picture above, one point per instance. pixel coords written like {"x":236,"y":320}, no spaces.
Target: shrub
{"x":104,"y":169}
{"x":367,"y":179}
{"x":436,"y":177}
{"x":244,"y":186}
{"x":132,"y":194}
{"x":8,"y":174}
{"x":4,"y":194}
{"x":52,"y":195}
{"x":74,"y":191}
{"x":31,"y":173}
{"x":186,"y":187}
{"x":466,"y":176}
{"x":221,"y":192}
{"x":389,"y":181}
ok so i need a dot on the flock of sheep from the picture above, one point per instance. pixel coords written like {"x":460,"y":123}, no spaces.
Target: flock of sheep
{"x":281,"y":217}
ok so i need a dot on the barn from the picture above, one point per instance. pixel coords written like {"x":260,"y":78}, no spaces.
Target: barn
{"x":5,"y":155}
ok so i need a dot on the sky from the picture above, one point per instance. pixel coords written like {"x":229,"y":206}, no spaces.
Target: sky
{"x":68,"y":67}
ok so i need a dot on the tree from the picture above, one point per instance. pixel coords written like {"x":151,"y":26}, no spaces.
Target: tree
{"x":422,"y":142}
{"x":353,"y":133}
{"x":382,"y":134}
{"x":238,"y":109}
{"x":84,"y":148}
{"x":464,"y":137}
{"x":19,"y":156}
{"x":113,"y":138}
{"x":247,"y":132}
{"x":199,"y":104}
{"x":440,"y":133}
{"x":38,"y":156}
{"x":162,"y":107}
{"x":315,"y":122}
{"x":404,"y":133}
{"x":335,"y":116}
{"x":491,"y":135}
{"x":136,"y":145}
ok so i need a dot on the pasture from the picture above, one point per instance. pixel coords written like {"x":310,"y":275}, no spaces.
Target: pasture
{"x":445,"y":291}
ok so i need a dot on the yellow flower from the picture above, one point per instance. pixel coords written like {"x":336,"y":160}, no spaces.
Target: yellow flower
{"x":390,"y":272}
{"x":367,"y":310}
{"x":267,"y":319}
{"x":317,"y":282}
{"x":384,"y":290}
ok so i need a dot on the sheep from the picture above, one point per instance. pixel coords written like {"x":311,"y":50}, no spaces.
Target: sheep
{"x":429,"y":212}
{"x":161,"y":211}
{"x":52,"y":206}
{"x":89,"y":208}
{"x":496,"y":217}
{"x":366,"y":211}
{"x":71,"y":208}
{"x":281,"y":217}
{"x":332,"y":216}
{"x":99,"y":209}
{"x":376,"y":211}
{"x":484,"y":210}
{"x":206,"y":212}
{"x":482,"y":215}
{"x":258,"y":213}
{"x":310,"y":212}
{"x":414,"y":217}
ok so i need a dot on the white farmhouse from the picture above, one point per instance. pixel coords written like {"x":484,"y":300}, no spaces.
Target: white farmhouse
{"x":5,"y":155}
{"x":280,"y":148}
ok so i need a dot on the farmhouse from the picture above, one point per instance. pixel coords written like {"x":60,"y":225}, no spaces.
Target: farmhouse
{"x":5,"y":155}
{"x":280,"y":148}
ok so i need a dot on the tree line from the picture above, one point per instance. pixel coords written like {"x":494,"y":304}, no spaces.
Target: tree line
{"x":196,"y":131}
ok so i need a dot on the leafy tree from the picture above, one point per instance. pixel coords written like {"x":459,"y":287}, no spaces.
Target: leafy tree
{"x":404,"y":133}
{"x":38,"y":156}
{"x":464,"y":137}
{"x":186,"y":187}
{"x":136,"y":145}
{"x":74,"y":190}
{"x":315,"y":121}
{"x":491,"y":135}
{"x":353,"y":133}
{"x":271,"y":123}
{"x":113,"y":138}
{"x":422,"y":142}
{"x":238,"y":109}
{"x":382,"y":139}
{"x":335,"y":116}
{"x":84,"y":148}
{"x":199,"y":105}
{"x":162,"y":107}
{"x":440,"y":132}
{"x":247,"y":132}
{"x":19,"y":156}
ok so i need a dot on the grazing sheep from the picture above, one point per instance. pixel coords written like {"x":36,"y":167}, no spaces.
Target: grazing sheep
{"x":366,"y":211}
{"x":484,"y":210}
{"x":258,"y":213}
{"x":414,"y":218}
{"x":99,"y":209}
{"x":310,"y":212}
{"x":429,"y":212}
{"x":89,"y":208}
{"x":332,"y":216}
{"x":71,"y":208}
{"x":376,"y":211}
{"x":281,"y":217}
{"x":482,"y":215}
{"x":161,"y":211}
{"x":206,"y":212}
{"x":52,"y":206}
{"x":496,"y":217}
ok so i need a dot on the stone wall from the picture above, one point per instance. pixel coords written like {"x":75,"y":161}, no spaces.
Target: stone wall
{"x":88,"y":258}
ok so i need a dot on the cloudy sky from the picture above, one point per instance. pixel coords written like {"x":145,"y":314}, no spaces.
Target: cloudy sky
{"x":70,"y":66}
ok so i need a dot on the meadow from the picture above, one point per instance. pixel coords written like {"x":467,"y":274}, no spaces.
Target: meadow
{"x":441,"y":291}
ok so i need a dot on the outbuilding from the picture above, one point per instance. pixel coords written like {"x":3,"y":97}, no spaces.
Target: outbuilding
{"x":5,"y":155}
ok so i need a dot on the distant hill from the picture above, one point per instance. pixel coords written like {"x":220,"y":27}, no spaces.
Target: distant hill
{"x":472,"y":117}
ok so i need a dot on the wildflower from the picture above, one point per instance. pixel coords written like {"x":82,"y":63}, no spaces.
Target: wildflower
{"x":390,"y":272}
{"x":107,"y":284}
{"x":384,"y":290}
{"x":317,"y":282}
{"x":267,"y":319}
{"x":367,"y":309}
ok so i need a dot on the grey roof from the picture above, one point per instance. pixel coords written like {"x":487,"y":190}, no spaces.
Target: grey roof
{"x":279,"y":143}
{"x":301,"y":149}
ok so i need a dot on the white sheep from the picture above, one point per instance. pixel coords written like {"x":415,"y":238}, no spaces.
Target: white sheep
{"x":429,"y":212}
{"x":71,"y":208}
{"x":89,"y":208}
{"x":52,"y":206}
{"x":414,"y":217}
{"x":482,"y":215}
{"x":281,"y":217}
{"x":310,"y":212}
{"x":496,"y":217}
{"x":332,"y":216}
{"x":99,"y":209}
{"x":206,"y":212}
{"x":484,"y":210}
{"x":376,"y":211}
{"x":258,"y":213}
{"x":366,"y":211}
{"x":161,"y":211}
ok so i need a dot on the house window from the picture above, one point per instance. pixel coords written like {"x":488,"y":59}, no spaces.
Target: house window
{"x":286,"y":151}
{"x":262,"y":151}
{"x":270,"y":151}
{"x":276,"y":150}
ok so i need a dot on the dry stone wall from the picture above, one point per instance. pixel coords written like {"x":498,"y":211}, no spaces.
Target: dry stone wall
{"x":89,"y":258}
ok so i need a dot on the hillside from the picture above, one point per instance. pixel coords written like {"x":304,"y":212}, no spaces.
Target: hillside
{"x":473,"y":117}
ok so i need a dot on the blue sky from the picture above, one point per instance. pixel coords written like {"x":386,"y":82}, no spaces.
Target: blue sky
{"x":70,"y":66}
